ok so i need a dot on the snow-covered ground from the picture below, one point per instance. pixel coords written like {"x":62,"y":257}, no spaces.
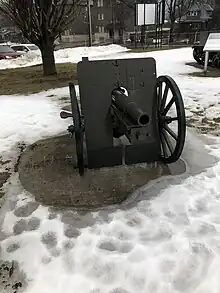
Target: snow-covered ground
{"x":62,"y":56}
{"x":167,"y":244}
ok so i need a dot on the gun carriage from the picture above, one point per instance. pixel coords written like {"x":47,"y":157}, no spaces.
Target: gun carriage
{"x":125,"y":98}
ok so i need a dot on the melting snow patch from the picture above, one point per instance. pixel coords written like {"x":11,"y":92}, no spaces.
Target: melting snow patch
{"x":213,"y":113}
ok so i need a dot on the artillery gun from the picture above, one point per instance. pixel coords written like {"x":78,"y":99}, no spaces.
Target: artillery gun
{"x":199,"y":54}
{"x":124,"y":98}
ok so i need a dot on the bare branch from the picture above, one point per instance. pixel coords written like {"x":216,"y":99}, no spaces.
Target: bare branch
{"x":129,"y":3}
{"x":39,"y":20}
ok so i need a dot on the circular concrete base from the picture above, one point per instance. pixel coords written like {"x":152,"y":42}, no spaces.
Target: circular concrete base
{"x":47,"y":171}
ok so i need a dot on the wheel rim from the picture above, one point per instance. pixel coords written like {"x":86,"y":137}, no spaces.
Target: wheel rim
{"x":203,"y":58}
{"x":214,"y":61}
{"x":172,"y":138}
{"x":78,"y":129}
{"x":197,"y":56}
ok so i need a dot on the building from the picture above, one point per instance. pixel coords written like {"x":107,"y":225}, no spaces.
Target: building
{"x":110,"y":19}
{"x":8,"y":30}
{"x":197,"y":18}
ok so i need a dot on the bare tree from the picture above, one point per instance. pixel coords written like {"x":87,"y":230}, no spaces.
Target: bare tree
{"x":122,"y":12}
{"x":129,"y":3}
{"x":41,"y":22}
{"x":214,"y":23}
{"x":176,"y":9}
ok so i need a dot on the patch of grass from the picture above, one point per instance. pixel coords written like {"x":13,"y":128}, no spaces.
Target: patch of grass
{"x":64,"y":99}
{"x":1,"y":194}
{"x":151,"y":49}
{"x":29,"y":80}
{"x":190,"y":122}
{"x":204,"y":126}
{"x":3,"y":178}
{"x":217,"y":119}
{"x":211,"y":72}
{"x":208,"y":74}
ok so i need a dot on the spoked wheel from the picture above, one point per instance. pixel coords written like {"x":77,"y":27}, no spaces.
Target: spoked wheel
{"x":203,"y":58}
{"x":171,"y":119}
{"x":78,"y":129}
{"x":216,"y":61}
{"x":197,"y":55}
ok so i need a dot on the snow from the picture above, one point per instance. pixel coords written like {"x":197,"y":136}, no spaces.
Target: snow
{"x":167,"y":242}
{"x":72,"y":55}
{"x":212,"y":113}
{"x":28,"y":113}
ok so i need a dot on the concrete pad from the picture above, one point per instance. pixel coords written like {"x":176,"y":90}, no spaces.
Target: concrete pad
{"x":47,"y":171}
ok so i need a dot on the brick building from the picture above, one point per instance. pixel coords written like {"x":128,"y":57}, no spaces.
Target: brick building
{"x":110,"y":19}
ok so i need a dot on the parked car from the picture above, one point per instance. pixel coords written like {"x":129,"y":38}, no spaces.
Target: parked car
{"x":8,"y":53}
{"x":25,"y":48}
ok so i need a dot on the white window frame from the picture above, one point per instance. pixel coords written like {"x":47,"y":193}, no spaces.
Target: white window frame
{"x":67,"y":32}
{"x":193,"y":13}
{"x":101,"y":29}
{"x":100,"y":3}
{"x":100,"y":16}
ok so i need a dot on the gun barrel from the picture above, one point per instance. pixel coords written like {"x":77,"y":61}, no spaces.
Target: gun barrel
{"x":129,"y":107}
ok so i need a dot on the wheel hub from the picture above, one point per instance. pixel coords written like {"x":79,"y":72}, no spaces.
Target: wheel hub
{"x":165,"y":119}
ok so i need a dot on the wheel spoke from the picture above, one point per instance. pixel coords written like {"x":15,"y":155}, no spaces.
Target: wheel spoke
{"x":160,"y":91}
{"x":170,"y":119}
{"x":170,"y":131}
{"x":168,"y":142}
{"x":168,"y":106}
{"x":164,"y":98}
{"x":164,"y":147}
{"x":79,"y":151}
{"x":77,"y":121}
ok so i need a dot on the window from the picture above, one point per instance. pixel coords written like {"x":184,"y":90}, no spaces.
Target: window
{"x":24,"y":49}
{"x":17,"y":48}
{"x":6,"y":49}
{"x":84,"y":3}
{"x":67,"y":32}
{"x":100,"y":16}
{"x":101,"y":29}
{"x":100,"y":3}
{"x":192,"y":13}
{"x":32,"y":47}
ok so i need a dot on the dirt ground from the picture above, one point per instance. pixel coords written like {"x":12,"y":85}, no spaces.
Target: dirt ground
{"x":211,"y":72}
{"x":4,"y":175}
{"x":3,"y":178}
{"x":28,"y":80}
{"x":46,"y":170}
{"x":12,"y":279}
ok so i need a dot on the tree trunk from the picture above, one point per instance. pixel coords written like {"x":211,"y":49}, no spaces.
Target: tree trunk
{"x":171,"y":36}
{"x":143,"y":32}
{"x":47,"y":53}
